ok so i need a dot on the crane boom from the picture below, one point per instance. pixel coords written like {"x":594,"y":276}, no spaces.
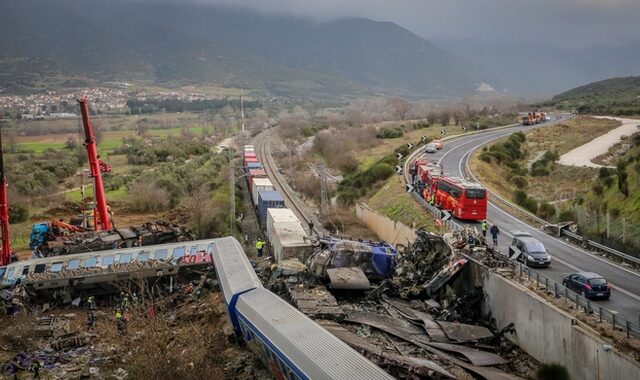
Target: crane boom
{"x":94,"y":165}
{"x":5,"y":255}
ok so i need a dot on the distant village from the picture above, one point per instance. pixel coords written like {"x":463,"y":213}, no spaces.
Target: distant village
{"x":60,"y":105}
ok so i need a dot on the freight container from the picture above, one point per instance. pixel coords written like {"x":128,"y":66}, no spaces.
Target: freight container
{"x":268,"y":200}
{"x":249,"y":160}
{"x":257,"y":185}
{"x":255,"y":173}
{"x":279,"y":216}
{"x":254,"y":165}
{"x":288,"y":241}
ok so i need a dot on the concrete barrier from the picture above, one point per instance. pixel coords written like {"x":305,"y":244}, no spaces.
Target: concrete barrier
{"x":388,"y":230}
{"x":550,"y":334}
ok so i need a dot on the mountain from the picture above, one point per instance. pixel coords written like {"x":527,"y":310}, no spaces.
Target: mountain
{"x":541,"y":71}
{"x":616,"y":96}
{"x":51,"y":43}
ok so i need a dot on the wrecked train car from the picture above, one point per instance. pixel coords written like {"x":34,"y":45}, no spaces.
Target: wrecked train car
{"x":376,"y":259}
{"x":56,"y":244}
{"x":102,"y":271}
{"x":291,"y":345}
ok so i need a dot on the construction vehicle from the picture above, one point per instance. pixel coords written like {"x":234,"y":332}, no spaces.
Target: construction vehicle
{"x":6,"y":254}
{"x":55,"y":238}
{"x":43,"y":232}
{"x":97,"y":167}
{"x":534,"y":118}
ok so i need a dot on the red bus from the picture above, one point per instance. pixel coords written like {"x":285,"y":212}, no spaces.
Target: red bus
{"x":465,"y":200}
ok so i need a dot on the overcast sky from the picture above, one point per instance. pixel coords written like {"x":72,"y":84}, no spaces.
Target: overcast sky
{"x":562,"y":23}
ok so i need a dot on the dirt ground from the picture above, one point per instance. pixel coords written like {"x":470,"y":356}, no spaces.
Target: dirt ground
{"x":186,"y":336}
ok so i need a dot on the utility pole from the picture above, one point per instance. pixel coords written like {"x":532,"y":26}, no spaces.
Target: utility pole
{"x":242,"y":109}
{"x":232,"y":193}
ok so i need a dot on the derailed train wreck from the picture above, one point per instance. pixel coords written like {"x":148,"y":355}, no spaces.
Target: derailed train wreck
{"x":49,"y":241}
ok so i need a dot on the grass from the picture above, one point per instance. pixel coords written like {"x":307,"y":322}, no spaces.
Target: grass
{"x":391,"y":200}
{"x":110,"y":140}
{"x":371,"y":156}
{"x":112,"y":195}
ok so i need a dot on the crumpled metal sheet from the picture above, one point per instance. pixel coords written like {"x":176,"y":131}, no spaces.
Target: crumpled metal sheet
{"x":476,"y":357}
{"x":419,"y":262}
{"x":425,"y":320}
{"x":412,"y":364}
{"x":461,"y":332}
{"x":348,"y":278}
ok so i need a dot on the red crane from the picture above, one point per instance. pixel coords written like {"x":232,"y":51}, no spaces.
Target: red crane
{"x":97,"y":166}
{"x":5,"y":255}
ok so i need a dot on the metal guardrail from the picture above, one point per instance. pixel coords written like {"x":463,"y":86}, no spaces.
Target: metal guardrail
{"x":602,"y":247}
{"x":552,"y":286}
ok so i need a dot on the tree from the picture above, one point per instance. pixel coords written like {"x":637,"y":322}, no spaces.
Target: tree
{"x":400,"y":106}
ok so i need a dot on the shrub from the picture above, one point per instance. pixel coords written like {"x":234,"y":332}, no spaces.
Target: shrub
{"x":484,"y":156}
{"x":389,"y":133}
{"x":531,"y":205}
{"x":18,"y":212}
{"x":566,"y":216}
{"x":552,"y":371}
{"x":608,"y":181}
{"x":421,"y":125}
{"x":546,"y":210}
{"x":520,"y":181}
{"x":539,"y":169}
{"x":519,"y":197}
{"x":604,"y":173}
{"x":146,"y":197}
{"x":615,"y":212}
{"x":597,"y":189}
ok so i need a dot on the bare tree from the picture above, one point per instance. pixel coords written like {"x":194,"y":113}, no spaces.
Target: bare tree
{"x":400,"y":106}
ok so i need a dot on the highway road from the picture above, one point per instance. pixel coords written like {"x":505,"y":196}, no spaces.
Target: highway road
{"x":566,"y":258}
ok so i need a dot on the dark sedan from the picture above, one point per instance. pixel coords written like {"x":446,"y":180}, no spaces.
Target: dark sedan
{"x":590,"y":285}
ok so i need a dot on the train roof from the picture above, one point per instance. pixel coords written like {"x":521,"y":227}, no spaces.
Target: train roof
{"x":317,"y":353}
{"x":199,"y":244}
{"x":234,"y":270}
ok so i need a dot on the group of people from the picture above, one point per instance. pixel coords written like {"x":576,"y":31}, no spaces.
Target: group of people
{"x":494,"y":231}
{"x":121,"y":313}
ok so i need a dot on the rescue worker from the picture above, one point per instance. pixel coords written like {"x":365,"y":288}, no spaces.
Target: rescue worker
{"x":124,"y":301}
{"x":311,"y":225}
{"x":432,"y":201}
{"x":121,"y":322}
{"x":35,"y":368}
{"x":484,"y":227}
{"x":91,"y":303}
{"x":259,"y":246}
{"x":91,"y":320}
{"x":495,"y":231}
{"x":14,"y":257}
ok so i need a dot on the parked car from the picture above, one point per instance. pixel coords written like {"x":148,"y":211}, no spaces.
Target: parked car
{"x":431,"y":148}
{"x":533,"y":253}
{"x":590,"y":285}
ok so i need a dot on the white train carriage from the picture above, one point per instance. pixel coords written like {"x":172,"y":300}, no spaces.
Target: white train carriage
{"x":78,"y":270}
{"x":290,"y":344}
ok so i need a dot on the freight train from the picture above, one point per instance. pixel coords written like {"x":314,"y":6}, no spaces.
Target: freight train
{"x":290,"y":344}
{"x":284,"y":232}
{"x":463,"y":199}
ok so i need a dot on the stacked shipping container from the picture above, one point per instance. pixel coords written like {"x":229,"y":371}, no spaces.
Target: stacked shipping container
{"x":285,"y":232}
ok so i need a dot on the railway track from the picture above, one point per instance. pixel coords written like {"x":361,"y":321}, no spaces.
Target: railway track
{"x":262,"y":143}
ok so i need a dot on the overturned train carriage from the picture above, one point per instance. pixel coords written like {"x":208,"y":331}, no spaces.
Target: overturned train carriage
{"x":290,"y":344}
{"x":104,"y":271}
{"x":159,"y":232}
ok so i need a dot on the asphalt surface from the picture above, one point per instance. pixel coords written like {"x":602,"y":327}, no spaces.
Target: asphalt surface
{"x":566,"y":258}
